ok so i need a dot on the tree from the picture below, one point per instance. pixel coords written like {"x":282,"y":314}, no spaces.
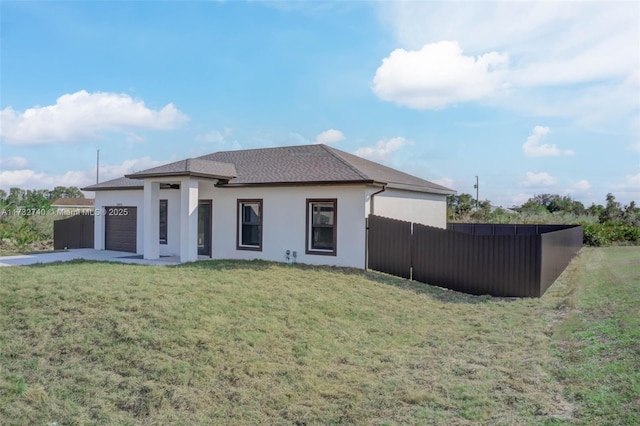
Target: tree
{"x":533,"y":205}
{"x":483,"y":212}
{"x":565,"y":205}
{"x":65,"y":192}
{"x":612,"y":211}
{"x":459,"y":206}
{"x":631,"y":214}
{"x":36,"y":199}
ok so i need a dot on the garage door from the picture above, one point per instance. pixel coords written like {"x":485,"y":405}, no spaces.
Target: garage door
{"x":120,"y":228}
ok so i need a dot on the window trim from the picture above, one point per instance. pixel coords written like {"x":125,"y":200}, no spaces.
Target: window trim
{"x":239,"y":223}
{"x":309,"y":228}
{"x":166,"y":223}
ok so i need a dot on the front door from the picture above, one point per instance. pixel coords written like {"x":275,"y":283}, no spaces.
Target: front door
{"x":204,"y":228}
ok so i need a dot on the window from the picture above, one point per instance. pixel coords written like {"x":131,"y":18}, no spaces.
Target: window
{"x":322,"y":226}
{"x":249,"y":225}
{"x":163,"y":221}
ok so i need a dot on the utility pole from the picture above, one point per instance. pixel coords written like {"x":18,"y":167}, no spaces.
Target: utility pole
{"x":477,"y":187}
{"x":98,"y":167}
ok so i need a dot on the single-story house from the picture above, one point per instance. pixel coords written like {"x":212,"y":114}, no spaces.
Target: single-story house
{"x":299,"y":203}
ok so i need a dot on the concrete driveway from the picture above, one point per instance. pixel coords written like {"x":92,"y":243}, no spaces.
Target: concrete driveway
{"x":87,"y":254}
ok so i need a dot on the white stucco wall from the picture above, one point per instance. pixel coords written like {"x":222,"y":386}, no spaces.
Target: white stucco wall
{"x":284,"y":223}
{"x":134,"y":198}
{"x":284,"y":218}
{"x":418,"y":207}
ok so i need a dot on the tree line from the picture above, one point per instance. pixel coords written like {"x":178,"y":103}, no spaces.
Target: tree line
{"x":30,"y":232}
{"x":611,"y":223}
{"x":36,"y":198}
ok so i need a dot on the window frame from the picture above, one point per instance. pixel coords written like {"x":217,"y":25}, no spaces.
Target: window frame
{"x":239,"y":223}
{"x":309,"y":227}
{"x":166,"y":222}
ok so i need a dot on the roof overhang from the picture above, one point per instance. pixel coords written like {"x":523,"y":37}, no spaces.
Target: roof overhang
{"x":415,"y":188}
{"x":307,"y":183}
{"x":143,"y":175}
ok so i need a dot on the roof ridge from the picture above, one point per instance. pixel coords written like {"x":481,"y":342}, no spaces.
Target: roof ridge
{"x":332,"y":150}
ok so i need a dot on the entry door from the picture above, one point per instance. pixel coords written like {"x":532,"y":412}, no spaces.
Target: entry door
{"x":204,"y":228}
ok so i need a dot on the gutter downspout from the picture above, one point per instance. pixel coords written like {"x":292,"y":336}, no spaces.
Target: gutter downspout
{"x":366,"y":234}
{"x":384,"y":188}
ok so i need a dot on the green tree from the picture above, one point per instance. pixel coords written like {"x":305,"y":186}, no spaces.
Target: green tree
{"x":460,"y":206}
{"x":65,"y":192}
{"x":533,"y":205}
{"x":36,"y":199}
{"x":612,"y":211}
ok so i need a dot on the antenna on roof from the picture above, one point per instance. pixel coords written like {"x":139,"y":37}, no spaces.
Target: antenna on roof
{"x":98,"y":167}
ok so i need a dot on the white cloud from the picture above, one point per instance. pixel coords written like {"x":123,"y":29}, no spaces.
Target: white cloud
{"x":533,"y":148}
{"x":438,"y":75}
{"x":587,"y":52}
{"x":542,"y":179}
{"x":330,"y":136}
{"x":383,"y":149}
{"x":13,"y":163}
{"x":31,"y":179}
{"x":582,"y":186}
{"x":112,"y":171}
{"x":83,"y":115}
{"x":635,"y":146}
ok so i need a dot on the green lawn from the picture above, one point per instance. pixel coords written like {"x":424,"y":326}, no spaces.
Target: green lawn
{"x":255,"y":342}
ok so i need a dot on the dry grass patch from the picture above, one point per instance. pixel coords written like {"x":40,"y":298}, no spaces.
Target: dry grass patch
{"x":256,"y":342}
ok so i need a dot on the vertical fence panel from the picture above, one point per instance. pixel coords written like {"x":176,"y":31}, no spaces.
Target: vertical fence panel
{"x":500,"y":260}
{"x":503,"y":265}
{"x":74,"y":232}
{"x":558,"y":248}
{"x":389,"y":246}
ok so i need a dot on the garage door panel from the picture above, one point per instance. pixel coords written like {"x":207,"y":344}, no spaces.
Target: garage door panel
{"x":121,"y":228}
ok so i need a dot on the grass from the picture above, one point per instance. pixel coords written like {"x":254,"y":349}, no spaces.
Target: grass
{"x":598,"y":344}
{"x":256,"y":342}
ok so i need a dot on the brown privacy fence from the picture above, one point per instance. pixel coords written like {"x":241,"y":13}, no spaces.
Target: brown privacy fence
{"x":74,"y":232}
{"x":500,"y":260}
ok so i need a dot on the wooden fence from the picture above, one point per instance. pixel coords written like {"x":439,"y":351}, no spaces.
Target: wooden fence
{"x":500,"y":260}
{"x":74,"y":232}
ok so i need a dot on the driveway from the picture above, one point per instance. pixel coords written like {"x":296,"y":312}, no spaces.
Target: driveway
{"x":87,"y":254}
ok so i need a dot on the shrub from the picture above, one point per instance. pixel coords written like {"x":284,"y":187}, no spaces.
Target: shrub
{"x":605,"y":234}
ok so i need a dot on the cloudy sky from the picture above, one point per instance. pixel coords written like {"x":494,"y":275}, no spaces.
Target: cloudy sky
{"x":533,"y":97}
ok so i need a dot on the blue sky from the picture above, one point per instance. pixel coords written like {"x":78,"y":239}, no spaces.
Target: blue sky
{"x":533,"y":97}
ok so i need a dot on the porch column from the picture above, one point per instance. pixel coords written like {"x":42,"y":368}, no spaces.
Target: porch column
{"x":98,"y":227}
{"x":151,"y":220}
{"x":188,"y":220}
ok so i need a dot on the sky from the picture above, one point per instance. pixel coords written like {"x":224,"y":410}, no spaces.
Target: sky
{"x":531,"y":97}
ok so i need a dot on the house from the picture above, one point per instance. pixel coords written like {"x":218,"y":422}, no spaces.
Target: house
{"x":72,"y":205}
{"x":299,"y":203}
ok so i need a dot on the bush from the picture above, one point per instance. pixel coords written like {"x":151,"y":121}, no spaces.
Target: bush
{"x":605,"y":234}
{"x":23,"y":231}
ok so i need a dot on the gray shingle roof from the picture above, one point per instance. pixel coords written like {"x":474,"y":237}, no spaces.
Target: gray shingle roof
{"x":190,"y":167}
{"x":119,"y":183}
{"x":304,"y":164}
